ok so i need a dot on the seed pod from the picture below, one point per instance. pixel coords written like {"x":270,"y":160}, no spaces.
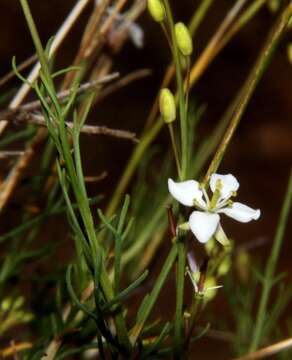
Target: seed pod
{"x":167,"y":105}
{"x":183,"y":38}
{"x":156,"y":10}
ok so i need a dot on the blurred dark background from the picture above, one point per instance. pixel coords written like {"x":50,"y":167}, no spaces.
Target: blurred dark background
{"x":260,"y":153}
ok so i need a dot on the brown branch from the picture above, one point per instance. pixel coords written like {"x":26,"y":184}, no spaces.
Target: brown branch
{"x":58,"y":39}
{"x":34,"y":105}
{"x":7,"y":154}
{"x":268,"y":351}
{"x":38,"y":119}
{"x":124,"y":81}
{"x":11,"y":181}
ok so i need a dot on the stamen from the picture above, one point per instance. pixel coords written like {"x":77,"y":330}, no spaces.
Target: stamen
{"x":206,"y":196}
{"x":222,"y":204}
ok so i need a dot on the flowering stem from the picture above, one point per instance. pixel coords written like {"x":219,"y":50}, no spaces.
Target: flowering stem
{"x":270,"y":269}
{"x":174,"y":148}
{"x":181,"y":96}
{"x":151,"y":133}
{"x":248,"y":89}
{"x":179,"y":319}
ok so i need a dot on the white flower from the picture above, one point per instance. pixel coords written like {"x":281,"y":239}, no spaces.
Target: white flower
{"x":205,"y":221}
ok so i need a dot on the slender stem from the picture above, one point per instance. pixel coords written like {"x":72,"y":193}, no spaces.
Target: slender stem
{"x":271,"y":268}
{"x":181,"y":96}
{"x":147,"y":138}
{"x":199,"y":15}
{"x":179,"y":318}
{"x":134,"y":160}
{"x":174,"y":148}
{"x":168,"y":264}
{"x":81,"y":198}
{"x":194,"y":312}
{"x":245,"y":95}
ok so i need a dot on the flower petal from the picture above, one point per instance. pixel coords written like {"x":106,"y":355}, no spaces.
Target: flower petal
{"x":241,"y":212}
{"x":186,"y":192}
{"x":229,"y":184}
{"x":203,"y":225}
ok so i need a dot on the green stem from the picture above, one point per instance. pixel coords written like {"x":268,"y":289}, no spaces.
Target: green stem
{"x":174,"y":148}
{"x":199,"y":15}
{"x":194,"y":313}
{"x":271,"y":268}
{"x":168,"y":264}
{"x":135,"y":158}
{"x":245,"y":95}
{"x":181,"y":95}
{"x":77,"y":188}
{"x":179,"y":318}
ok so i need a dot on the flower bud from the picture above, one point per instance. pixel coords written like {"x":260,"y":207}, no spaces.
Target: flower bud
{"x":167,"y":106}
{"x":183,"y":38}
{"x":273,"y":5}
{"x":156,"y":10}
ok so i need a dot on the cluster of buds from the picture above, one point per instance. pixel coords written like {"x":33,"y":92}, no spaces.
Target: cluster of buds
{"x":182,"y":35}
{"x":185,"y":45}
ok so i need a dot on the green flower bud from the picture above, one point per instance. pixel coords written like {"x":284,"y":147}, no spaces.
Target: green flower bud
{"x":156,"y":10}
{"x":273,"y":5}
{"x":167,"y":105}
{"x":183,"y":38}
{"x":211,"y":246}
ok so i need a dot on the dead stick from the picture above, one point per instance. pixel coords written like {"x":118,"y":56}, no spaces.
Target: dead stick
{"x":86,"y":129}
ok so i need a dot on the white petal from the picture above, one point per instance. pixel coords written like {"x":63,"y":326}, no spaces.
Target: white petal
{"x":186,"y":192}
{"x":229,"y":184}
{"x":241,"y":212}
{"x":203,"y":225}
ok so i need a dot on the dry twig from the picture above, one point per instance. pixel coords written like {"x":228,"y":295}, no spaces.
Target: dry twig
{"x":59,"y":38}
{"x":38,"y":119}
{"x":268,"y":351}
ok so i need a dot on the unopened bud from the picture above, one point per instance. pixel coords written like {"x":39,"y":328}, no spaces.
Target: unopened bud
{"x":167,"y":105}
{"x":156,"y":10}
{"x":273,"y":5}
{"x":183,"y":38}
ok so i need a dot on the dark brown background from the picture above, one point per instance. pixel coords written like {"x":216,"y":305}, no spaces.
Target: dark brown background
{"x":260,"y":153}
